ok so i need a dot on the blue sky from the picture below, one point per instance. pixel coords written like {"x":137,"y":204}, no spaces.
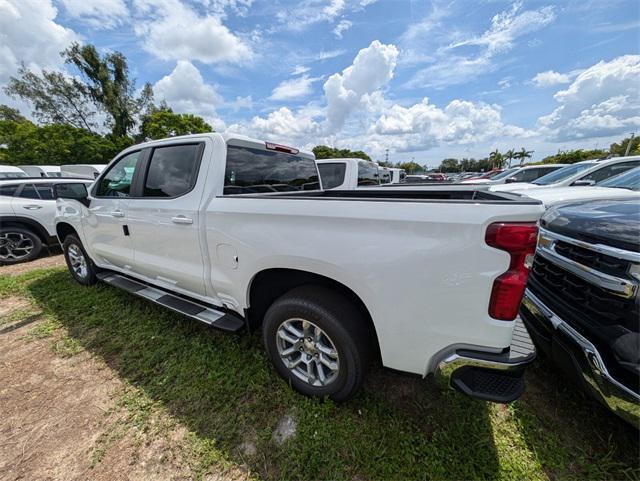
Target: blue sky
{"x":424,"y":79}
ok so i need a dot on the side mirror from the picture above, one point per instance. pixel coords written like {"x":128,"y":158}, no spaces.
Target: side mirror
{"x":68,"y":190}
{"x":510,"y":180}
{"x":583,"y":183}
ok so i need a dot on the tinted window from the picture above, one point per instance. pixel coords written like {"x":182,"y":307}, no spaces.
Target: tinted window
{"x":332,"y":175}
{"x":368,"y":174}
{"x":9,"y":190}
{"x":44,"y":191}
{"x":117,"y":181}
{"x":172,"y":171}
{"x":29,"y":192}
{"x":506,"y":173}
{"x":564,"y":173}
{"x":12,"y":175}
{"x":609,"y":171}
{"x":249,"y":169}
{"x":629,"y":180}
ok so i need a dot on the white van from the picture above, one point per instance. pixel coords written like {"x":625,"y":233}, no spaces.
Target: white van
{"x":85,"y":171}
{"x":42,"y":170}
{"x":11,"y":172}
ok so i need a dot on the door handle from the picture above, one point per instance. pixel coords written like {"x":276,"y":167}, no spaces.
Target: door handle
{"x":32,"y":207}
{"x":117,"y":213}
{"x":181,"y":219}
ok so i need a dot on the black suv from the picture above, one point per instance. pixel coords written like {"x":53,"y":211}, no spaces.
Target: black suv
{"x":581,"y":306}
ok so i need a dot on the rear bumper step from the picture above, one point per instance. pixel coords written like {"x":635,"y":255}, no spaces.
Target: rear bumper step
{"x":203,"y":313}
{"x":489,"y":376}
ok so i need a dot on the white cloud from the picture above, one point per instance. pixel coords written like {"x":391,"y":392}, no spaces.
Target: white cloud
{"x":311,"y":12}
{"x":283,"y":125}
{"x":242,"y":103}
{"x":462,"y":59}
{"x":342,"y":27}
{"x":185,"y":91}
{"x":603,"y":100}
{"x":173,"y":31}
{"x":29,"y":34}
{"x":371,"y":69}
{"x":293,"y":88}
{"x":550,"y":78}
{"x":424,"y":125}
{"x":329,"y":54}
{"x":101,"y":14}
{"x":299,"y":69}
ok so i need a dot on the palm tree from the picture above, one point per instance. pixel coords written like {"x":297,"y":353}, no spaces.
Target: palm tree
{"x":523,"y":154}
{"x":510,"y":155}
{"x":496,"y":158}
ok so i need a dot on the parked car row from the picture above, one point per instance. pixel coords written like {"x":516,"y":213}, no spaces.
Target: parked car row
{"x":87,"y":171}
{"x":254,"y":235}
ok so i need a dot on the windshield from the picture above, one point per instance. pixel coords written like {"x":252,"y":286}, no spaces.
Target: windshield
{"x":628,"y":180}
{"x":564,"y":173}
{"x":505,"y":173}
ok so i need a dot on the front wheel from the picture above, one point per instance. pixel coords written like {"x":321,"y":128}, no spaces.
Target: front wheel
{"x":80,"y":265}
{"x":317,"y":340}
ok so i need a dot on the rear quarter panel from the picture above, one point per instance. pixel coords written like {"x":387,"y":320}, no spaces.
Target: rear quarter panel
{"x":421,"y":268}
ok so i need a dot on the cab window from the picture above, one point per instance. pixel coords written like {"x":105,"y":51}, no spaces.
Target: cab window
{"x":610,"y":171}
{"x":332,"y":174}
{"x":173,"y":170}
{"x":9,"y":190}
{"x":117,"y":181}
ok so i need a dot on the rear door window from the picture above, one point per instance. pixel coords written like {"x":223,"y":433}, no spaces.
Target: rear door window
{"x":173,"y":170}
{"x":29,"y":192}
{"x":250,"y":170}
{"x":9,"y":190}
{"x":45,"y":191}
{"x":332,"y":174}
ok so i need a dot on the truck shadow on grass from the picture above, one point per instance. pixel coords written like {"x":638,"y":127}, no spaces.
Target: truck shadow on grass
{"x":221,"y":387}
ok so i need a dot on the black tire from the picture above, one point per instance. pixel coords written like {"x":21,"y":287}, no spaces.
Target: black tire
{"x":343,"y":325}
{"x":11,"y":240}
{"x":70,"y":248}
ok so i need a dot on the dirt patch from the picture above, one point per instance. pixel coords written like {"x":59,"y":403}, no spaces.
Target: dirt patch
{"x":40,"y":263}
{"x":62,"y":418}
{"x":12,"y":304}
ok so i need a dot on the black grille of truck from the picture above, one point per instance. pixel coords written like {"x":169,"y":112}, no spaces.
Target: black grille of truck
{"x":601,"y":262}
{"x":565,"y":293}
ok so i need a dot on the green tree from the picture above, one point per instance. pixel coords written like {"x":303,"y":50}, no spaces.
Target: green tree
{"x":163,"y":122}
{"x":410,"y":167}
{"x":326,"y":152}
{"x":510,"y":155}
{"x":11,"y":114}
{"x":107,"y":82}
{"x":573,"y":156}
{"x":619,"y":149}
{"x":55,"y":144}
{"x":56,"y":98}
{"x":496,"y":159}
{"x":449,"y":165}
{"x":523,"y":154}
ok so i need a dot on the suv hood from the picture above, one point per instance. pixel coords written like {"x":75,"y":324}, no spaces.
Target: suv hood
{"x":516,"y":186}
{"x":614,"y":223}
{"x":550,"y":197}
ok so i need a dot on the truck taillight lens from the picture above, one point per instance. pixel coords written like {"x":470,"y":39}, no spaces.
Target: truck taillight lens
{"x":519,"y":240}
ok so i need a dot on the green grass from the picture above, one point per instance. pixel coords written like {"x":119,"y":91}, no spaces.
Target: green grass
{"x":222,"y":389}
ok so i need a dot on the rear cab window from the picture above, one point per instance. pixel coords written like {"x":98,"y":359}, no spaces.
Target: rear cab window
{"x":368,"y":173}
{"x":173,"y":170}
{"x":9,"y":190}
{"x":253,"y":170}
{"x":332,"y":174}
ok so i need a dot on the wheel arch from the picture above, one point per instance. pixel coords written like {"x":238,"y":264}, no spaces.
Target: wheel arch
{"x":63,"y":229}
{"x":33,"y":225}
{"x":268,"y":285}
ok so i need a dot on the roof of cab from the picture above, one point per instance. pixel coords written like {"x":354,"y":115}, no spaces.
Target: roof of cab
{"x":43,"y":180}
{"x":227,"y":137}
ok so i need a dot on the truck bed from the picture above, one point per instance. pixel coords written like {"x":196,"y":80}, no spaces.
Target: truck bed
{"x":470,"y":194}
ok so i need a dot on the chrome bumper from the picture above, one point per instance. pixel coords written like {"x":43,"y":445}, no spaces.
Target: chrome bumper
{"x":616,"y":396}
{"x":500,"y":375}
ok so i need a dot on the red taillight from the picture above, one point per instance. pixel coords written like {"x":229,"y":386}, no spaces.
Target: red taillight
{"x":281,"y":148}
{"x":519,"y":240}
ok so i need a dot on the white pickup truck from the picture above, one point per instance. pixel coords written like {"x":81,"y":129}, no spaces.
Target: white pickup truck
{"x":175,"y":221}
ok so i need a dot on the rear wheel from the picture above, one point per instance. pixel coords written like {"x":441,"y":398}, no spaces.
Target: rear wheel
{"x":18,"y":244}
{"x":80,"y":265}
{"x":318,"y":341}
